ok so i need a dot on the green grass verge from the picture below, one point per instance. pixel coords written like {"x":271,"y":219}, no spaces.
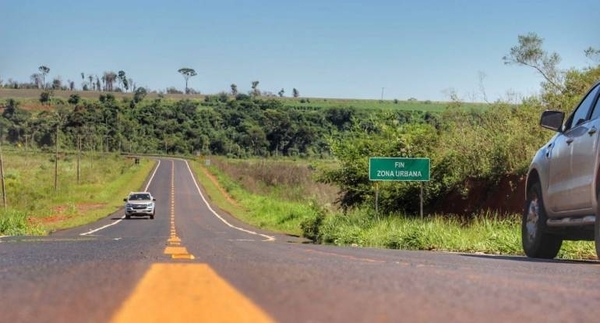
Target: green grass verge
{"x":35,"y":207}
{"x":260,"y":211}
{"x":109,"y":197}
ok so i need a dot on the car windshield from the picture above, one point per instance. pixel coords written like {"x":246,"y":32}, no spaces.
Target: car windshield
{"x":139,"y":197}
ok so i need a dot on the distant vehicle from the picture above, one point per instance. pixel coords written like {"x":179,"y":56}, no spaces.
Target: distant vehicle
{"x":139,"y":204}
{"x":563,"y":182}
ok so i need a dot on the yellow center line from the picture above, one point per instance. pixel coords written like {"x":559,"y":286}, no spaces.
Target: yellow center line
{"x":187,"y":293}
{"x":174,"y":247}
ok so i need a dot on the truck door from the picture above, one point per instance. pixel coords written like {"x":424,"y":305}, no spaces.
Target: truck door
{"x":584,"y":155}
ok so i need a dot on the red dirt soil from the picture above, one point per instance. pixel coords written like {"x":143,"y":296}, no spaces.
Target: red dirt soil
{"x":214,"y":180}
{"x":505,"y":197}
{"x":58,"y":213}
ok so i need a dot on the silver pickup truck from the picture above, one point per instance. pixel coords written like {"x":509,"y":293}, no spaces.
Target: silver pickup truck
{"x":563,"y":181}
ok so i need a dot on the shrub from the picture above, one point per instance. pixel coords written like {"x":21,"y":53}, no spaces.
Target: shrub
{"x":311,"y":226}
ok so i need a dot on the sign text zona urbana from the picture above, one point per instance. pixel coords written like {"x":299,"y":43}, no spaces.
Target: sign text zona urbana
{"x":399,"y":173}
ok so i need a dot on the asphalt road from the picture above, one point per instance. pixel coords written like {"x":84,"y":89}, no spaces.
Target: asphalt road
{"x":192,"y":264}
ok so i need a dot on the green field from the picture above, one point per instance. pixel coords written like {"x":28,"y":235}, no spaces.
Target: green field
{"x":29,"y":98}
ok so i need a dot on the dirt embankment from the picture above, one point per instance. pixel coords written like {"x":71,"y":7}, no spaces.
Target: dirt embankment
{"x":506,"y":196}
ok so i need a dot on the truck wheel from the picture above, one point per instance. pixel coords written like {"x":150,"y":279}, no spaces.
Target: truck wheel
{"x":537,"y":242}
{"x":152,"y":216}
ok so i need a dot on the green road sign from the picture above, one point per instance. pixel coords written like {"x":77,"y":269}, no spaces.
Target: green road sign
{"x":398,"y":169}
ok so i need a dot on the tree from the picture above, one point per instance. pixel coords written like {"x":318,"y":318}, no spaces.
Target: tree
{"x":36,"y":80}
{"x":255,"y":90}
{"x":131,"y":84}
{"x":109,"y":79}
{"x":45,"y":97}
{"x":123,"y":80}
{"x":44,"y":70}
{"x":590,"y":52}
{"x":56,"y":83}
{"x":281,"y":93}
{"x":140,"y":94}
{"x":295,"y":93}
{"x":187,"y":73}
{"x":74,"y":99}
{"x":234,"y":90}
{"x":529,"y":52}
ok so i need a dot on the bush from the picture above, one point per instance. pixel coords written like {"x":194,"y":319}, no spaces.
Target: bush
{"x":311,"y":226}
{"x":45,"y":97}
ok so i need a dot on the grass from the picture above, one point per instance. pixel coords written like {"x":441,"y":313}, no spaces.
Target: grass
{"x":34,"y":207}
{"x":29,"y":99}
{"x":315,"y":103}
{"x":264,"y":210}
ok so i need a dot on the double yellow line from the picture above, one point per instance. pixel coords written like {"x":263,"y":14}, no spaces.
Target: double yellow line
{"x":174,"y":247}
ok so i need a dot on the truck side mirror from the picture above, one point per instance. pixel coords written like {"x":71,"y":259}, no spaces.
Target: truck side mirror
{"x":552,"y":120}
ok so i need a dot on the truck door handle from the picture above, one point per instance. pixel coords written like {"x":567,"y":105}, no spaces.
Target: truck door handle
{"x":569,"y":141}
{"x":592,"y":131}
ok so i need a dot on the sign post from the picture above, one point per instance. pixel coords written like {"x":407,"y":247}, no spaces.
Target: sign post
{"x":399,"y":169}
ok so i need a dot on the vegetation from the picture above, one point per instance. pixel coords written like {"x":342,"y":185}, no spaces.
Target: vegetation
{"x":34,"y":206}
{"x":286,"y":198}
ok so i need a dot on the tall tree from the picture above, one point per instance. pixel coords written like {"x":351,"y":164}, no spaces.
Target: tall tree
{"x":234,"y":90}
{"x":131,"y":84}
{"x":36,"y":80}
{"x":255,"y":90}
{"x":593,"y":54}
{"x":295,"y":93}
{"x":44,"y":70}
{"x":529,"y":52}
{"x":281,"y":93}
{"x":109,"y":79}
{"x":187,"y":73}
{"x":123,"y":80}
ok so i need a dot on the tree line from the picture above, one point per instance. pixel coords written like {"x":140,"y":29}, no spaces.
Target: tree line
{"x":239,"y":127}
{"x":119,"y":82}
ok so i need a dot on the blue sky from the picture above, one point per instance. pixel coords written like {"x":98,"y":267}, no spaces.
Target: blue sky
{"x":332,"y":49}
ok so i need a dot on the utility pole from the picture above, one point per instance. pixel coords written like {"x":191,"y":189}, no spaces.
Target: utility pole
{"x":382,"y":93}
{"x":2,"y":176}
{"x":56,"y":161}
{"x":78,"y":158}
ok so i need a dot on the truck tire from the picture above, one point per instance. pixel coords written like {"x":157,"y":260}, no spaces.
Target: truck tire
{"x":537,"y":242}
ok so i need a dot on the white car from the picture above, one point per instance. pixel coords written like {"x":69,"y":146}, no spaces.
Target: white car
{"x":139,"y":204}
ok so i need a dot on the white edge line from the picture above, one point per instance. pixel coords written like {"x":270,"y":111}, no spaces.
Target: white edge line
{"x":269,"y":238}
{"x":122,"y":217}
